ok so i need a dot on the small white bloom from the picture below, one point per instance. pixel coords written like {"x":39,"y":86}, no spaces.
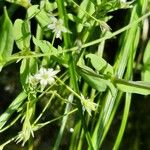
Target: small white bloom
{"x":57,"y":27}
{"x":46,"y":76}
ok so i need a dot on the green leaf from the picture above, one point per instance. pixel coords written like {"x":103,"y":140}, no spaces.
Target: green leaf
{"x":48,"y":49}
{"x":96,"y":81}
{"x":146,"y":57}
{"x":100,"y":64}
{"x":50,"y":6}
{"x":24,"y":3}
{"x":43,"y":19}
{"x":45,"y":46}
{"x":22,"y":34}
{"x":86,"y":6}
{"x":146,"y":63}
{"x":146,"y":75}
{"x":32,"y":11}
{"x":138,"y":87}
{"x":6,"y":38}
{"x":12,"y":108}
{"x":40,"y":15}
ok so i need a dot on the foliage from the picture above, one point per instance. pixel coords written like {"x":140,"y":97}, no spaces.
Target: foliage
{"x":60,"y":47}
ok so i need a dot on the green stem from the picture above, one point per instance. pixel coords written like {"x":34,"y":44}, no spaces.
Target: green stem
{"x":40,"y":125}
{"x":72,"y":70}
{"x":54,"y":36}
{"x":124,"y":121}
{"x":63,"y":16}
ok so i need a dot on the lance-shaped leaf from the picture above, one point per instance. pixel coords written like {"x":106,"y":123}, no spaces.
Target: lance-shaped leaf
{"x":40,"y":15}
{"x":48,"y":49}
{"x":22,"y":34}
{"x":24,"y":3}
{"x":96,"y":81}
{"x":6,"y":38}
{"x":100,"y":64}
{"x":139,"y":87}
{"x":12,"y":108}
{"x":146,"y":62}
{"x":45,"y":46}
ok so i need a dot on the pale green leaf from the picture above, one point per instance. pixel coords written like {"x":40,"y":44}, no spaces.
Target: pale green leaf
{"x":96,"y":81}
{"x":146,"y":57}
{"x":6,"y":36}
{"x":40,"y":15}
{"x":138,"y":87}
{"x":43,"y":18}
{"x":100,"y":64}
{"x":146,"y":75}
{"x":42,"y":44}
{"x":45,"y":46}
{"x":12,"y":108}
{"x":146,"y":64}
{"x":88,"y":7}
{"x":22,"y":34}
{"x":93,"y":81}
{"x":24,"y":3}
{"x":32,"y":11}
{"x":50,"y":6}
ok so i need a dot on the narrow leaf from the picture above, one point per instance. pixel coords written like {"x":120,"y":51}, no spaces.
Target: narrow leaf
{"x":40,"y":15}
{"x":6,"y":38}
{"x":94,"y":82}
{"x":32,"y":11}
{"x":24,"y":3}
{"x":12,"y":108}
{"x":45,"y":46}
{"x":138,"y":87}
{"x":22,"y":34}
{"x":100,"y":64}
{"x":146,"y":62}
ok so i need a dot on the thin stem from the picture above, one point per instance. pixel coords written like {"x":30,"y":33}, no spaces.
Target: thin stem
{"x":54,"y":36}
{"x":12,"y":123}
{"x":40,"y":125}
{"x":44,"y":109}
{"x":67,"y":87}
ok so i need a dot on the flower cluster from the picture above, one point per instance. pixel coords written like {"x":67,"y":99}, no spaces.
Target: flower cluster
{"x":57,"y":27}
{"x":44,"y":77}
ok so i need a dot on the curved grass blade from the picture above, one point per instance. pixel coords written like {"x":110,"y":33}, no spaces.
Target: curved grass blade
{"x":124,"y":121}
{"x":105,"y":118}
{"x":12,"y":108}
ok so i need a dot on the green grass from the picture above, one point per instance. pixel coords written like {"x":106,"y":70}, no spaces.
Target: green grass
{"x":75,"y":105}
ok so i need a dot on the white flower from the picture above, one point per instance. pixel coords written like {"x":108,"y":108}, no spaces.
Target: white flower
{"x":88,"y":105}
{"x":46,"y":76}
{"x":57,"y":27}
